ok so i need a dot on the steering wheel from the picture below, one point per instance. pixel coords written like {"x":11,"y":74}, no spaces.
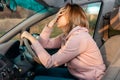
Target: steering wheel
{"x":32,"y":53}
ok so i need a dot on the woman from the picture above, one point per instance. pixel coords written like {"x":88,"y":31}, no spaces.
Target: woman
{"x":77,"y":48}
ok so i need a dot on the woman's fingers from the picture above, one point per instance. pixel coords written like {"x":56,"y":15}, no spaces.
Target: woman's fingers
{"x":24,"y":34}
{"x":61,"y":11}
{"x":58,"y":15}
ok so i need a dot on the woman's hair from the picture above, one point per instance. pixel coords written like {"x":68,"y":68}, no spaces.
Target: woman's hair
{"x":75,"y":16}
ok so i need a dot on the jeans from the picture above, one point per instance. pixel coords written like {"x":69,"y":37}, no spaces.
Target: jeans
{"x":57,"y":73}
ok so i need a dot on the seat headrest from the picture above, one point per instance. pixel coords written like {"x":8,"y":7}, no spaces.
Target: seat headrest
{"x":115,"y":19}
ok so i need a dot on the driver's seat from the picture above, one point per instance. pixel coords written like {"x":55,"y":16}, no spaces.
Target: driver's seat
{"x":111,"y":48}
{"x":111,"y":55}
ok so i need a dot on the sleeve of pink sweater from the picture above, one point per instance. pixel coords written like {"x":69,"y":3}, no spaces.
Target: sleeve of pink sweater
{"x":73,"y":47}
{"x":48,"y":42}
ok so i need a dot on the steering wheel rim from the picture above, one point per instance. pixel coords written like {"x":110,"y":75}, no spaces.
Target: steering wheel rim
{"x":32,"y":53}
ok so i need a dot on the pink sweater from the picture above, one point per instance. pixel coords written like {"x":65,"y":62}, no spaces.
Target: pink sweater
{"x":78,"y":51}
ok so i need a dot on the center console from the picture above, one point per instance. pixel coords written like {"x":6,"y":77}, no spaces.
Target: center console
{"x":6,"y":70}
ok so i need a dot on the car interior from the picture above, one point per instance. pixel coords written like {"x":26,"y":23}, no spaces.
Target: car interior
{"x":16,"y":57}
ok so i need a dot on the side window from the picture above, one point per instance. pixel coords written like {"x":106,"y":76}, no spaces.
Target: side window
{"x":92,"y":11}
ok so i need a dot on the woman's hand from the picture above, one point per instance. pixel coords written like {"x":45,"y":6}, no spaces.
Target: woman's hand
{"x":28,"y":36}
{"x":25,"y":34}
{"x":60,"y":13}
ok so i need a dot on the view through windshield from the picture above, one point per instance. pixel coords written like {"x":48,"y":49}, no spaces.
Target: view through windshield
{"x":16,"y":11}
{"x":9,"y":19}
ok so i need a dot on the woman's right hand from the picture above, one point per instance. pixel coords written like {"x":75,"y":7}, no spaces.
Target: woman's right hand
{"x":60,"y":13}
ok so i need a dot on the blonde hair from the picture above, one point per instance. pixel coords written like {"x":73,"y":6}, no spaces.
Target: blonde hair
{"x":75,"y":17}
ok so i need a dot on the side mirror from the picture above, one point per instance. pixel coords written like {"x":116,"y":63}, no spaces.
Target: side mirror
{"x":1,"y":7}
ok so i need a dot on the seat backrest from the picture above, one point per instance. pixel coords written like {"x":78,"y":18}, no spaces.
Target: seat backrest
{"x":110,"y":48}
{"x":113,"y":70}
{"x":111,"y":55}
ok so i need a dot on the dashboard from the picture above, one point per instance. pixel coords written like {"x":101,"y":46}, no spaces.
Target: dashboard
{"x":14,"y":64}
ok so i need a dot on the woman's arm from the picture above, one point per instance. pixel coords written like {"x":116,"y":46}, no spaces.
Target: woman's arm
{"x":73,"y":47}
{"x":48,"y":42}
{"x":45,"y":39}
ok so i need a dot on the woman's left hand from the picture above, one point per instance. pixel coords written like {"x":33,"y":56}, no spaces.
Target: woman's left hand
{"x":59,"y":13}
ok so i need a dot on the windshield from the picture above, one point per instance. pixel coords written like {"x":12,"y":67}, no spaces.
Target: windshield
{"x":18,"y":11}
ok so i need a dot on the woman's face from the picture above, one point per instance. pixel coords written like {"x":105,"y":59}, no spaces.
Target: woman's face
{"x":62,"y":21}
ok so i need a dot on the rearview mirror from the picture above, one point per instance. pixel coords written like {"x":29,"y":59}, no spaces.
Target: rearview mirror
{"x":1,"y":7}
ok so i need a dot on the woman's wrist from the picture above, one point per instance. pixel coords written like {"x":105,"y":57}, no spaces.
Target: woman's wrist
{"x":33,"y":40}
{"x":51,"y":23}
{"x":47,"y":25}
